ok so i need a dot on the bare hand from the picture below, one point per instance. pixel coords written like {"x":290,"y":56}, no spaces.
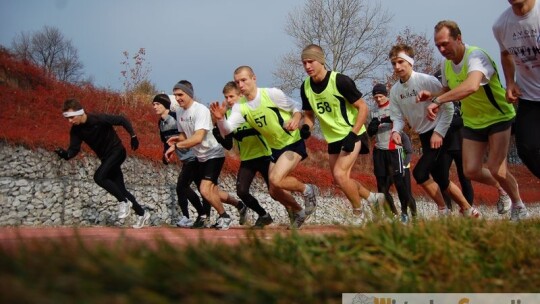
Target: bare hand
{"x":432,"y":111}
{"x":293,"y":123}
{"x":396,"y":138}
{"x":169,"y":153}
{"x":512,"y":92}
{"x":218,"y":110}
{"x":173,"y":140}
{"x":436,"y":140}
{"x":423,"y":96}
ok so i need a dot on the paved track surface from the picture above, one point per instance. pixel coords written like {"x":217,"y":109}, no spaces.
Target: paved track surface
{"x":13,"y":237}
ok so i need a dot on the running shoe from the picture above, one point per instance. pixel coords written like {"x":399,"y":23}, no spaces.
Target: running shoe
{"x":518,"y":214}
{"x":404,"y":218}
{"x":310,"y":199}
{"x":443,"y":212}
{"x":142,"y":220}
{"x":184,"y":222}
{"x":243,"y":212}
{"x":223,"y":223}
{"x":124,"y":209}
{"x":298,"y":219}
{"x":202,"y":221}
{"x":504,"y":203}
{"x":376,"y":200}
{"x":263,"y":221}
{"x":358,"y":219}
{"x":471,"y":213}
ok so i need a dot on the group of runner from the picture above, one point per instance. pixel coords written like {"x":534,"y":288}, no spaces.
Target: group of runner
{"x":269,"y":130}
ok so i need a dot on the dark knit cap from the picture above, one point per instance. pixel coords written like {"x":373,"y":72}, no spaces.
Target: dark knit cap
{"x":163,"y":99}
{"x":379,"y":89}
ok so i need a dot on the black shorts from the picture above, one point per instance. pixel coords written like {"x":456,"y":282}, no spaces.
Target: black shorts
{"x":298,"y":147}
{"x":387,"y":162}
{"x":335,"y":147}
{"x":210,"y":169}
{"x":482,"y":135}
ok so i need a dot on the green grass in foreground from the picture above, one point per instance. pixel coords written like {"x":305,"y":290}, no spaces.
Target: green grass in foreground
{"x":436,"y":256}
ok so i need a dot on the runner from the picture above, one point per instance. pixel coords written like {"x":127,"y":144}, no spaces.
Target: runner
{"x":167,"y":128}
{"x":254,"y":156}
{"x":276,"y":117}
{"x":470,"y":75}
{"x":97,"y":131}
{"x":388,"y":158}
{"x":517,"y":32}
{"x":195,"y":125}
{"x":432,"y":169}
{"x":335,"y":101}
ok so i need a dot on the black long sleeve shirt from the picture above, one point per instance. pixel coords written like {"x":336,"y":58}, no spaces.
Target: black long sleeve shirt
{"x":98,"y":133}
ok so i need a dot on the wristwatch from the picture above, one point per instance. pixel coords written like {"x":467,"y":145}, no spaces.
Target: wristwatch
{"x":437,"y":102}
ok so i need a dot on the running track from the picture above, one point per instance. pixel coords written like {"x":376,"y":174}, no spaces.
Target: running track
{"x":12,"y":237}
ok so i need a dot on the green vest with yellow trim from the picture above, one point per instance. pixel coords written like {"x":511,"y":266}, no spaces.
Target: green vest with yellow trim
{"x":488,"y":104}
{"x":268,"y":119}
{"x":336,"y":114}
{"x":253,"y":146}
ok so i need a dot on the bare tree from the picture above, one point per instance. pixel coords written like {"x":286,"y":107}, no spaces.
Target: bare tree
{"x":353,"y":34}
{"x":50,"y":50}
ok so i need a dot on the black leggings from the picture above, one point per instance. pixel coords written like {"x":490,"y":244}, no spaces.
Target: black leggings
{"x":109,"y":176}
{"x":527,"y":133}
{"x":245,"y":177}
{"x":466,"y":184}
{"x":433,"y":161}
{"x":184,"y":191}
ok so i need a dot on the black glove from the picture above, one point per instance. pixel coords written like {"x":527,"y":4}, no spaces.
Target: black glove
{"x":305,"y":133}
{"x":386,"y":119}
{"x":164,"y":160}
{"x":134,"y":143}
{"x":62,"y":153}
{"x":373,"y":126}
{"x":349,"y":141}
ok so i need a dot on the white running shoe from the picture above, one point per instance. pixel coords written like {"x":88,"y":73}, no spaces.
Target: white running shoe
{"x":310,"y":198}
{"x":443,"y":212}
{"x":376,"y":200}
{"x":358,"y":220}
{"x":518,"y":214}
{"x":504,"y":203}
{"x":124,"y":209}
{"x":223,"y":223}
{"x":142,"y":220}
{"x":471,"y":213}
{"x":184,"y":222}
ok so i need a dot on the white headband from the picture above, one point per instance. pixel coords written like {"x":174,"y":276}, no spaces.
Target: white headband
{"x":407,"y":58}
{"x":74,"y":113}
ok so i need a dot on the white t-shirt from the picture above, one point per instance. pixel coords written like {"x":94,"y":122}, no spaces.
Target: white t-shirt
{"x":197,"y":117}
{"x":279,"y":98}
{"x":477,"y":61}
{"x":520,"y":36}
{"x":403,"y":105}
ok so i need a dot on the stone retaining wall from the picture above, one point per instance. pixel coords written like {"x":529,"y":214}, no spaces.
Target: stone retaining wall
{"x":38,"y":188}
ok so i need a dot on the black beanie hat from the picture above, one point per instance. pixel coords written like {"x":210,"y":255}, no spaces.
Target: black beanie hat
{"x":379,"y":89}
{"x":163,"y":99}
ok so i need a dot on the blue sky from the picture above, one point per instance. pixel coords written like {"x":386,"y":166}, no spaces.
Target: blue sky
{"x":205,"y":40}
